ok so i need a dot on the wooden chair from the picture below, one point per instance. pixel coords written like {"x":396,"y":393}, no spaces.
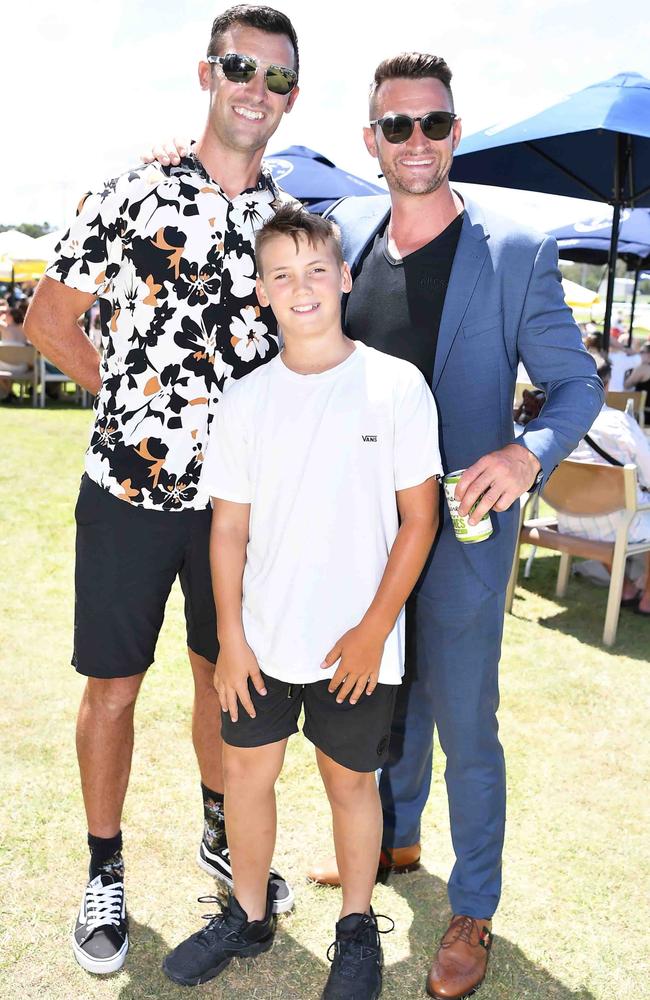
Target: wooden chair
{"x":586,"y":490}
{"x":20,"y":354}
{"x":618,"y":401}
{"x":46,"y":376}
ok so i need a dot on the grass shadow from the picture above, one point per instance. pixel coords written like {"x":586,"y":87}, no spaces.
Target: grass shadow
{"x":287,"y":972}
{"x":581,"y":611}
{"x":510,"y":972}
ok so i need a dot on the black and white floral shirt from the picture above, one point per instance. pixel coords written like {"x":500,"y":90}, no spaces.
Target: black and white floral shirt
{"x":171,"y":260}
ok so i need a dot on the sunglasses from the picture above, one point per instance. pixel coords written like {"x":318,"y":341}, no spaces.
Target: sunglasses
{"x":241,"y":69}
{"x":399,"y":128}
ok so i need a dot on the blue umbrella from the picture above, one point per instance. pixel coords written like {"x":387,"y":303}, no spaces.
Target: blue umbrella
{"x":589,"y":241}
{"x":314,"y":179}
{"x":595,"y":144}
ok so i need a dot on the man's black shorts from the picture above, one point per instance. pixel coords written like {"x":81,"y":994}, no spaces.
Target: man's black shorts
{"x":355,"y":736}
{"x":127,"y":560}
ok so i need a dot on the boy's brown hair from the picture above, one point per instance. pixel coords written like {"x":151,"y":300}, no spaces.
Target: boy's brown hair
{"x":295,"y":221}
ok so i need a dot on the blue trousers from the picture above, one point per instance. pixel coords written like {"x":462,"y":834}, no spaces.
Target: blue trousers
{"x":451,"y":681}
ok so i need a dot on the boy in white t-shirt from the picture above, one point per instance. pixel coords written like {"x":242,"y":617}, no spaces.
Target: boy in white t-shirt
{"x":322,"y":466}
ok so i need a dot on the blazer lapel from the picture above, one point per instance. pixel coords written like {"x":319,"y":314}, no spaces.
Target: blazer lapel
{"x":468,"y":261}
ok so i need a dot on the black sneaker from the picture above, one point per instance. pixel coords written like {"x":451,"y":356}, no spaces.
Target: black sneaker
{"x":228,"y":935}
{"x":216,"y":862}
{"x":100,"y":938}
{"x":357,"y":962}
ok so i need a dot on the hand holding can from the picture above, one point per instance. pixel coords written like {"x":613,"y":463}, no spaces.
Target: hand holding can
{"x":464,"y":531}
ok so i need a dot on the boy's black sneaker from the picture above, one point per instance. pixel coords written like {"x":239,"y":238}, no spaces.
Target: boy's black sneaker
{"x":228,"y":935}
{"x":357,"y":962}
{"x":216,"y":862}
{"x":100,"y":938}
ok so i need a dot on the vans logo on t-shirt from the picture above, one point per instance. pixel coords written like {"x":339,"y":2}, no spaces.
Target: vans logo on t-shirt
{"x":368,"y":437}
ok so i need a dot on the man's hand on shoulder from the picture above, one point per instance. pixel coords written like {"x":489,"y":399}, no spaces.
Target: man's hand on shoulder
{"x":235,"y":664}
{"x":167,"y":153}
{"x":498,"y":478}
{"x":359,"y":652}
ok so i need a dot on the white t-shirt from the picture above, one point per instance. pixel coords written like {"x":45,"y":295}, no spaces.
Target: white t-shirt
{"x":319,"y":458}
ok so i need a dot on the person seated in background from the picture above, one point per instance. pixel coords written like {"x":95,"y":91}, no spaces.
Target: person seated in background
{"x":620,"y":437}
{"x":639,"y":377}
{"x":11,"y":332}
{"x":593,"y":341}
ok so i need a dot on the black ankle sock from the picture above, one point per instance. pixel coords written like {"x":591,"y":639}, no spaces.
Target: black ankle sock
{"x":214,"y":827}
{"x":106,"y":855}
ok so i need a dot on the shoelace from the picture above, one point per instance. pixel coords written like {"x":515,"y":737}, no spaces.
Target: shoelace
{"x":215,"y":920}
{"x":103,"y":906}
{"x":351,"y":951}
{"x":460,"y":929}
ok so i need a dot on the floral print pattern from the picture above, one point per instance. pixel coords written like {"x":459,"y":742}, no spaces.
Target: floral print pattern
{"x":171,"y":259}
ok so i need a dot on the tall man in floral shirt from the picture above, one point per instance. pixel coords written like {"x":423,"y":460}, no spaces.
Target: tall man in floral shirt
{"x":169,"y":255}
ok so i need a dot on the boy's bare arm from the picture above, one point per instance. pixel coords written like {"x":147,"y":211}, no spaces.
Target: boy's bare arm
{"x":52,"y":326}
{"x":360,"y":650}
{"x":236,"y":661}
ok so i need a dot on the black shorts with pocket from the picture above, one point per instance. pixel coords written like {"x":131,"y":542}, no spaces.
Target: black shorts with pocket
{"x":355,"y":736}
{"x":127,"y":559}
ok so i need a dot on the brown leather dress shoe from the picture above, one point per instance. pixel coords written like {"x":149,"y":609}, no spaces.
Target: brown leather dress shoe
{"x":460,"y":965}
{"x":397,"y":860}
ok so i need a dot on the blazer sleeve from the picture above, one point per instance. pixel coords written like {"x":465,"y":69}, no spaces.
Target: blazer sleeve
{"x":551,"y":349}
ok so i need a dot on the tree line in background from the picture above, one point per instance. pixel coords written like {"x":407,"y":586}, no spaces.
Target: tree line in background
{"x":34,"y":229}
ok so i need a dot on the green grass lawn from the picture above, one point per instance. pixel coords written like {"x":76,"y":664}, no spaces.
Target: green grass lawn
{"x":574,"y":912}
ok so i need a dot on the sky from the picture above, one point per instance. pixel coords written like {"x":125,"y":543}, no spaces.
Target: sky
{"x":92,"y":85}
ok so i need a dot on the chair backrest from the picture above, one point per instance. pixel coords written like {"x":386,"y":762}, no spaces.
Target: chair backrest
{"x":587,"y":489}
{"x":618,"y":401}
{"x":17,"y":354}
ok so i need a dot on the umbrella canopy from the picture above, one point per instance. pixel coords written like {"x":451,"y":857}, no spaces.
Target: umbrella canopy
{"x":16,"y":245}
{"x":24,"y":258}
{"x":589,"y":240}
{"x":594,"y":144}
{"x":577,"y":297}
{"x":314,"y":179}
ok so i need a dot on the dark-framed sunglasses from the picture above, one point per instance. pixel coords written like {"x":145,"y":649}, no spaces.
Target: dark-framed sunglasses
{"x":399,"y":128}
{"x":241,"y":69}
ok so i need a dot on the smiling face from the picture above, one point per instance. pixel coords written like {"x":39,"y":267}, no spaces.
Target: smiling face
{"x":419,"y":165}
{"x":302,"y":284}
{"x":243,"y":117}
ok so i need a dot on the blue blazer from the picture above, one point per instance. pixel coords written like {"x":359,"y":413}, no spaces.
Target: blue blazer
{"x":504,"y":303}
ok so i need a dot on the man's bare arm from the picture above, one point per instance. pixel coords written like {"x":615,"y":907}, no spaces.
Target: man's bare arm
{"x":52,"y":326}
{"x":360,"y":650}
{"x":236,"y":661}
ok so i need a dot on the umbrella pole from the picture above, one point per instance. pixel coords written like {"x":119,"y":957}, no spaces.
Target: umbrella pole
{"x":620,"y":167}
{"x":636,"y":285}
{"x":611,"y":275}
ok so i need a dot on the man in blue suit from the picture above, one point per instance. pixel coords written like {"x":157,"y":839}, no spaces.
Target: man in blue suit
{"x":465,"y":295}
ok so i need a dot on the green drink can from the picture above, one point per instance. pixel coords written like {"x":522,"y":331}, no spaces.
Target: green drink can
{"x":464,"y":531}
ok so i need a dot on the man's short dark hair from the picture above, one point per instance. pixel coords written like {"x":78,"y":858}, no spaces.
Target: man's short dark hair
{"x":295,"y":221}
{"x":253,"y":16}
{"x":411,"y":66}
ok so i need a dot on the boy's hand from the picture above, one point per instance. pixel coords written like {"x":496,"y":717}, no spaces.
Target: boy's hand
{"x":235,"y":664}
{"x":360,"y":651}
